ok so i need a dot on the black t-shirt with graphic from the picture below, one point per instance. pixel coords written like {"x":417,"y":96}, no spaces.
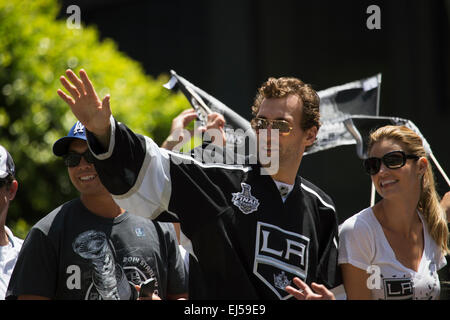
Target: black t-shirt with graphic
{"x":73,"y":254}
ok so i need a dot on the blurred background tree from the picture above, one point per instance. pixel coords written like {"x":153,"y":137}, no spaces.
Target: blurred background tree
{"x":35,"y":50}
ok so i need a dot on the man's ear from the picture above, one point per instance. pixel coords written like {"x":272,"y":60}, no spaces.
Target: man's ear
{"x":12,"y":190}
{"x":310,"y":135}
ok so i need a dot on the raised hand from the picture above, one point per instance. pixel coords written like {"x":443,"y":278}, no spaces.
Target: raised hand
{"x":85,"y":104}
{"x":215,"y":125}
{"x":178,"y":130}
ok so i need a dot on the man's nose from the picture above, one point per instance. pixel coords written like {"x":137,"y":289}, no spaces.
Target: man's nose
{"x":84,"y":163}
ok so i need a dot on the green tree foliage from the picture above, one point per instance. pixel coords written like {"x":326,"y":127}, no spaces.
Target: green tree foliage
{"x":35,"y":50}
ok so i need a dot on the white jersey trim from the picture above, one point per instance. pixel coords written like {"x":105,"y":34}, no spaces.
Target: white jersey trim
{"x":150,"y":194}
{"x":112,"y":141}
{"x":319,"y":197}
{"x":188,"y":158}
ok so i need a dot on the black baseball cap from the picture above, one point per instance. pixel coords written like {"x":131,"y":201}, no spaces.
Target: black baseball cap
{"x":7,"y":166}
{"x":78,"y":131}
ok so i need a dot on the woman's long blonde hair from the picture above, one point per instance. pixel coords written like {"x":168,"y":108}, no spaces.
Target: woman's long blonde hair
{"x":429,"y":202}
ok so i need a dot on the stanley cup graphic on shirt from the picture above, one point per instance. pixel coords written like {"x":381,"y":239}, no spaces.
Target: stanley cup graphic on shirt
{"x":108,"y":277}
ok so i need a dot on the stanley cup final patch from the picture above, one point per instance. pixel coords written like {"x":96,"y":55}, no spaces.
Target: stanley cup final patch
{"x":244,"y":199}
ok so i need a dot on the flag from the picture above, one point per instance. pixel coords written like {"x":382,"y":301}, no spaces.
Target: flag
{"x":348,"y":113}
{"x":237,"y":129}
{"x":360,"y":97}
{"x":337,"y":104}
{"x":360,"y":128}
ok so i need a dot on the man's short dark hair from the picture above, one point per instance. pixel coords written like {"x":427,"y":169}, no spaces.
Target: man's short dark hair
{"x":284,"y":86}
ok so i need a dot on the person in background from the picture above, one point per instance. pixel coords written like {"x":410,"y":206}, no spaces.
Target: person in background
{"x":90,"y":248}
{"x":176,"y":137}
{"x":393,"y":250}
{"x":9,"y":244}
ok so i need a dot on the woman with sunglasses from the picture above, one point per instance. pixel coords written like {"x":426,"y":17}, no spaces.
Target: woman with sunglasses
{"x":394,"y":249}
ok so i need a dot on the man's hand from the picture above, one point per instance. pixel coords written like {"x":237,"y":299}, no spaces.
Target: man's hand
{"x":177,"y":131}
{"x":306,"y":293}
{"x":179,"y":123}
{"x":153,"y":297}
{"x":216,"y":121}
{"x":92,"y":112}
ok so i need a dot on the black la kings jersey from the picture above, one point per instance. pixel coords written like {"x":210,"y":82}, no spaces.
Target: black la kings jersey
{"x":248,"y":243}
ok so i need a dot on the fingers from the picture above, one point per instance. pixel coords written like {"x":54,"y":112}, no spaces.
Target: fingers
{"x":188,"y":111}
{"x":298,"y":294}
{"x":183,"y":119}
{"x":323,"y":291}
{"x":76,"y":81}
{"x":185,"y":113}
{"x":87,"y":83}
{"x":153,"y":297}
{"x":215,"y":120}
{"x":69,"y":87}
{"x":188,"y":117}
{"x":66,"y":98}
{"x":303,"y":286}
{"x":105,"y":103}
{"x":306,"y":293}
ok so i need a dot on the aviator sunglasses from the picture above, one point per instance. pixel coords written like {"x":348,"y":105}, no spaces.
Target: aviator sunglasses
{"x":282,"y":125}
{"x":392,"y":160}
{"x":72,"y":159}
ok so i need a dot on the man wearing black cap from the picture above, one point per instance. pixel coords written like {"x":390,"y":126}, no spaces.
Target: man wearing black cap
{"x":90,"y":248}
{"x":9,"y":244}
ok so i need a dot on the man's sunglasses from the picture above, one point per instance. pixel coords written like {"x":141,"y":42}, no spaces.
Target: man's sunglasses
{"x":72,"y":159}
{"x":282,"y":125}
{"x":392,"y":160}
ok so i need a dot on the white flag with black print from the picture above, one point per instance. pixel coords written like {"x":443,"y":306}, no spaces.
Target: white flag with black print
{"x":360,"y":97}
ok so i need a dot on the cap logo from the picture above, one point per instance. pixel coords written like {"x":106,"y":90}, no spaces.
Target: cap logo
{"x":79,"y":128}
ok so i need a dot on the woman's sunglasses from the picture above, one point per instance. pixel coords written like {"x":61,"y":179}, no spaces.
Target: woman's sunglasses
{"x":72,"y":159}
{"x":282,"y":125}
{"x":392,"y":160}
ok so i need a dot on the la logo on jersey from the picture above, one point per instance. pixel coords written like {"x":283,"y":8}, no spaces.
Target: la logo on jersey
{"x":244,"y":199}
{"x":280,"y":256}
